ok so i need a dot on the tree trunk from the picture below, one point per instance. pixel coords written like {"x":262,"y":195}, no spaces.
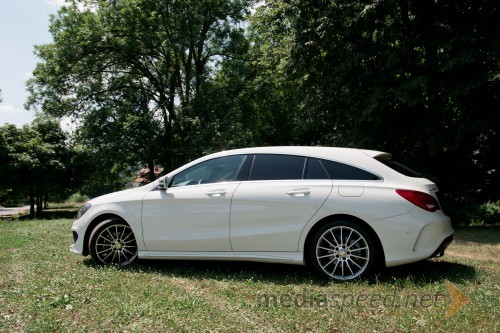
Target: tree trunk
{"x":167,"y":141}
{"x":39,"y":206}
{"x":32,"y":202}
{"x":168,"y":115}
{"x":151,"y":175}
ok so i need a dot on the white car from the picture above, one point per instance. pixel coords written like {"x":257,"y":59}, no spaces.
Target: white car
{"x":343,"y":211}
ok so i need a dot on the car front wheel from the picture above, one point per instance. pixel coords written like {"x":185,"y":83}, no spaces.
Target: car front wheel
{"x":112,"y":242}
{"x":342,"y":250}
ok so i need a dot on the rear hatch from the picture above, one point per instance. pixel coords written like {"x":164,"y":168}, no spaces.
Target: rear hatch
{"x":414,"y":176}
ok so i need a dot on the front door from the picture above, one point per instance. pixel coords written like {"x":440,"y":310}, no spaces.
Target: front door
{"x":193,"y":213}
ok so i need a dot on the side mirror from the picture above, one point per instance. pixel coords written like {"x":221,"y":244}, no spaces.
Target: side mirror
{"x":163,"y":184}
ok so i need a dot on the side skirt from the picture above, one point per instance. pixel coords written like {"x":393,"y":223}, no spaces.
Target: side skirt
{"x":294,"y":258}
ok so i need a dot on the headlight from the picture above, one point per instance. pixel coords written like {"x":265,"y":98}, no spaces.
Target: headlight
{"x":82,"y":210}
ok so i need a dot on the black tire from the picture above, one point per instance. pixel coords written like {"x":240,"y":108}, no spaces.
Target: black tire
{"x":112,"y":242}
{"x":342,"y":250}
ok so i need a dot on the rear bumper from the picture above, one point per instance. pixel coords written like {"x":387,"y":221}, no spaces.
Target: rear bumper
{"x":415,"y":236}
{"x":440,"y":251}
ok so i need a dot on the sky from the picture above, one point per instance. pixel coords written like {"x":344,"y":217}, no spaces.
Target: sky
{"x":23,"y":24}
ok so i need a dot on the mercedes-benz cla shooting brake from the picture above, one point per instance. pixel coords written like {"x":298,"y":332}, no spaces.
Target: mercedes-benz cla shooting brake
{"x":342,"y":211}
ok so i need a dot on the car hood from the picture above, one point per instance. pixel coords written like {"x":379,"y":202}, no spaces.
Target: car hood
{"x":114,"y":195}
{"x":120,"y":194}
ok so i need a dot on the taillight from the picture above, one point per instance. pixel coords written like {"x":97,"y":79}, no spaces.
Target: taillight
{"x":420,"y":199}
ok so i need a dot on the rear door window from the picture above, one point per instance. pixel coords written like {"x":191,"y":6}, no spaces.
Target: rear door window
{"x":277,"y":167}
{"x":315,"y":170}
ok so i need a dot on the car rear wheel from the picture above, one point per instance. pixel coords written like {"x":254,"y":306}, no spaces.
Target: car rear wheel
{"x":112,"y":242}
{"x":342,"y":250}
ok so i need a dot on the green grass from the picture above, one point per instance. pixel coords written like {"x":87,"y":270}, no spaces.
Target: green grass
{"x":64,"y":205}
{"x":45,"y":288}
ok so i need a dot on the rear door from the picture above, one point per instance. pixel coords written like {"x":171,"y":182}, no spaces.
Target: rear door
{"x":269,"y":211}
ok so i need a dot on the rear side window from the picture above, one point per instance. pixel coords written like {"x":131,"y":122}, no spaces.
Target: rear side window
{"x":342,"y":171}
{"x":276,"y":167}
{"x":315,"y":170}
{"x":401,"y":169}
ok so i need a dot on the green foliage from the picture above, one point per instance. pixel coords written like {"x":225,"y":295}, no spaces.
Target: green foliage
{"x":490,"y":212}
{"x":38,"y":162}
{"x":131,"y":72}
{"x":464,"y":214}
{"x":77,"y":198}
{"x":163,"y":82}
{"x":415,"y":78}
{"x":99,"y":180}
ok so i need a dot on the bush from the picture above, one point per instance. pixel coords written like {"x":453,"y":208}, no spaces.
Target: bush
{"x":77,"y":197}
{"x":14,"y":201}
{"x":490,"y":212}
{"x":463,"y":214}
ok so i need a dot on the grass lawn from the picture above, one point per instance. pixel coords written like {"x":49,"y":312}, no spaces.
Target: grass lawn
{"x":45,"y":288}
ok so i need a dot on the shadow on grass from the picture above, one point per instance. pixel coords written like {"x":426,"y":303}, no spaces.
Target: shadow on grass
{"x":427,"y":271}
{"x":487,"y":235}
{"x":420,"y":273}
{"x":52,"y":214}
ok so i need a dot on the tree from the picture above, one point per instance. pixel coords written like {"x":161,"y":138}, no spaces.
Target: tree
{"x":37,"y":162}
{"x":163,"y":81}
{"x":4,"y":165}
{"x":417,"y":78}
{"x":137,"y":63}
{"x":250,"y":100}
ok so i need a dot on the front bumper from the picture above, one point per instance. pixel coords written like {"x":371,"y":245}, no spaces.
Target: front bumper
{"x":78,"y":230}
{"x":77,"y":247}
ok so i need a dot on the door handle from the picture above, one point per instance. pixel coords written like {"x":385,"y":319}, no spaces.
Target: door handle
{"x":300,"y":192}
{"x":216,"y":193}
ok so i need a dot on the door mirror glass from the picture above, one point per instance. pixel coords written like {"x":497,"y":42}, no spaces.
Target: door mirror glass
{"x":163,"y":183}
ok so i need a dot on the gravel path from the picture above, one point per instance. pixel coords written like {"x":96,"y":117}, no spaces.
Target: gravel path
{"x":13,"y":210}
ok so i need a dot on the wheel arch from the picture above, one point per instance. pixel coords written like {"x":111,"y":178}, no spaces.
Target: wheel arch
{"x":380,"y":257}
{"x":91,"y":227}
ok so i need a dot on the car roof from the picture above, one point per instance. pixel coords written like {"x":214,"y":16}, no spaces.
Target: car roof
{"x":313,"y":151}
{"x":361,"y":158}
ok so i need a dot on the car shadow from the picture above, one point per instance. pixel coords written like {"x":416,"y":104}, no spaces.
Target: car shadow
{"x":425,"y":272}
{"x":419,"y":273}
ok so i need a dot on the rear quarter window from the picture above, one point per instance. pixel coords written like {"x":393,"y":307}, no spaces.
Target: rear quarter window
{"x":396,"y":166}
{"x":341,"y":171}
